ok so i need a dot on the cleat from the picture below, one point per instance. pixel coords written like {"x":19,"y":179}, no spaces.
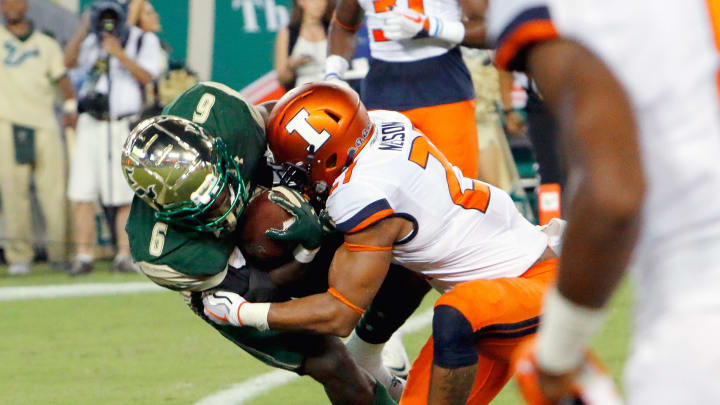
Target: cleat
{"x":124,"y":264}
{"x":80,"y":268}
{"x":19,"y":269}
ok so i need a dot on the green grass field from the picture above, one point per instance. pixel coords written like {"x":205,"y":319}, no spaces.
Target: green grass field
{"x":150,"y":349}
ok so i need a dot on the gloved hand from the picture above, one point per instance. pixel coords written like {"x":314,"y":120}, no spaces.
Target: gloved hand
{"x":589,"y":385}
{"x":223,"y":307}
{"x":327,"y":223}
{"x":306,"y":229}
{"x":335,"y":68}
{"x":403,"y":24}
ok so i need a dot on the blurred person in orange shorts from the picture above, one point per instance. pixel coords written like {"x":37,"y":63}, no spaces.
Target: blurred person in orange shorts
{"x":416,"y":67}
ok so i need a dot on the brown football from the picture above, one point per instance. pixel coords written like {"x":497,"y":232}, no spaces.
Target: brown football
{"x":260,"y":215}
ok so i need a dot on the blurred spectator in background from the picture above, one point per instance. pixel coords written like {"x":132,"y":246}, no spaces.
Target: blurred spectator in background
{"x":119,"y":60}
{"x":142,"y":14}
{"x":496,"y":164}
{"x":539,"y":126}
{"x":30,"y":143}
{"x":300,"y":48}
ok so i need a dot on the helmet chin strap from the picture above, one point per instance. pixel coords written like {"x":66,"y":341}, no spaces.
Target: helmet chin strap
{"x":310,"y":157}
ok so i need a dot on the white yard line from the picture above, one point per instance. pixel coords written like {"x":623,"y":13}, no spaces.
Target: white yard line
{"x":240,"y":393}
{"x":235,"y":394}
{"x":76,"y":290}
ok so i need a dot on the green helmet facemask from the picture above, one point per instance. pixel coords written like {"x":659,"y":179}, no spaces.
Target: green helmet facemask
{"x":185,"y":174}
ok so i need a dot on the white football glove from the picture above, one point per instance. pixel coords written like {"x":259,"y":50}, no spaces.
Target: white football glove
{"x":223,"y":307}
{"x":335,"y":68}
{"x":402,"y":24}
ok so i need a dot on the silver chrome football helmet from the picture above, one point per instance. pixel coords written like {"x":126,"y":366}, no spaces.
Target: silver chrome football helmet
{"x":181,"y":171}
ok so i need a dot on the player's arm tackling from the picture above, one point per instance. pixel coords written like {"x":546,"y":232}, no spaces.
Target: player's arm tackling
{"x":356,"y":273}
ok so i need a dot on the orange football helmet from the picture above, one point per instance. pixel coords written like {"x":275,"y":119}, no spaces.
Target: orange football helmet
{"x":317,"y":129}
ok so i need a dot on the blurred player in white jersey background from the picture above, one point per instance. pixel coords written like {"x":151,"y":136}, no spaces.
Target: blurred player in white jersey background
{"x":635,"y":86}
{"x":416,"y":67}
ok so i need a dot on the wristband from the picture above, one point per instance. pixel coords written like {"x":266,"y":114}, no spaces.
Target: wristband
{"x":565,"y":333}
{"x":340,"y":24}
{"x":70,"y":106}
{"x":336,"y":65}
{"x":303,"y":255}
{"x":451,"y":31}
{"x":254,"y":314}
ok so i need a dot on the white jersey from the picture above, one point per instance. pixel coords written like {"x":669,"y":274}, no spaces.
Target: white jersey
{"x":463,"y":229}
{"x":668,"y":63}
{"x":410,"y":49}
{"x":665,"y":53}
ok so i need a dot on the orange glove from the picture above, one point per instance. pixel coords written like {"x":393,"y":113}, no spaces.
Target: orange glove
{"x":590,"y":385}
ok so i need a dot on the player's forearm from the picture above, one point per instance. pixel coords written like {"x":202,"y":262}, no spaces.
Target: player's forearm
{"x":346,"y":20}
{"x":607,"y":186}
{"x":474,"y":23}
{"x":598,"y":244}
{"x":475,"y":33}
{"x":288,"y":274}
{"x":601,"y":139}
{"x":341,"y":42}
{"x":285,"y":76}
{"x":319,"y":313}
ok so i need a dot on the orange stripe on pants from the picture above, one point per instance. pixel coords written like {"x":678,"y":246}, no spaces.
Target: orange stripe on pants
{"x":486,"y":303}
{"x":451,"y":127}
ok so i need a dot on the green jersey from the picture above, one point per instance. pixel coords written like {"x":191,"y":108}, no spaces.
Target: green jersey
{"x":180,"y":258}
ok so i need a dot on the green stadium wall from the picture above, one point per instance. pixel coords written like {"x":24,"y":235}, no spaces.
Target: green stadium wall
{"x":232,"y":45}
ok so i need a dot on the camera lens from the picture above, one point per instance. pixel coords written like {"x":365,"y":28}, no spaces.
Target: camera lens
{"x":108,"y":25}
{"x":108,"y":20}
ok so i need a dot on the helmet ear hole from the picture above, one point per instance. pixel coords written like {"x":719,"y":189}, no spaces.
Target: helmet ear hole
{"x":331,"y":162}
{"x":332,"y":115}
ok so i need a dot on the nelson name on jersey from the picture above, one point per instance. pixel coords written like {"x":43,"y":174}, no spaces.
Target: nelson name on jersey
{"x":392,"y":136}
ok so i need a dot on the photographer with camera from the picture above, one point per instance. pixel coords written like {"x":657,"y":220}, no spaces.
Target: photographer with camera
{"x":118,"y":61}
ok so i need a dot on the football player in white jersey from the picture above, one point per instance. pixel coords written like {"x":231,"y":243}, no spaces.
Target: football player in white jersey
{"x":398,"y":199}
{"x":636,"y":87}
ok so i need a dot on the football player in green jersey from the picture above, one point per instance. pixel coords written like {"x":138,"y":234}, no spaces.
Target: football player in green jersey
{"x":193,"y":170}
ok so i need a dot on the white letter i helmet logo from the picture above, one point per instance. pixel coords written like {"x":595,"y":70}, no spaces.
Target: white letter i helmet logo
{"x":300,"y":125}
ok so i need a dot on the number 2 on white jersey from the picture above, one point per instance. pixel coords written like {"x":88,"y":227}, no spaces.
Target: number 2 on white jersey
{"x":477,"y":198}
